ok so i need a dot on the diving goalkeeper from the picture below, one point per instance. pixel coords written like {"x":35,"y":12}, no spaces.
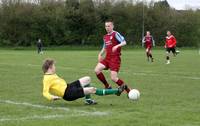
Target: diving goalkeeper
{"x":55,"y":88}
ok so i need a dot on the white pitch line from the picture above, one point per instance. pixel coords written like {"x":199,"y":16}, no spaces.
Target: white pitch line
{"x":34,"y":117}
{"x":33,"y":105}
{"x":81,"y":112}
{"x":47,"y":117}
{"x":175,"y":76}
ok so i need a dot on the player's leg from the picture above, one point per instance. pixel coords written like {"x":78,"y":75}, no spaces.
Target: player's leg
{"x":147,"y":53}
{"x":98,"y":70}
{"x":114,"y":66}
{"x":41,"y":51}
{"x":119,"y":82}
{"x":88,"y":91}
{"x":91,"y":90}
{"x":75,"y":90}
{"x":85,"y":82}
{"x":150,"y":54}
{"x":174,"y":51}
{"x":38,"y":50}
{"x":167,"y":55}
{"x":101,"y":92}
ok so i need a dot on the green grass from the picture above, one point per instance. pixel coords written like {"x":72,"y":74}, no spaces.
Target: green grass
{"x":170,"y":94}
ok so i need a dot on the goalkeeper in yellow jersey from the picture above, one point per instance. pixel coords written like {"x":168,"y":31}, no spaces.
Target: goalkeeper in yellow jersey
{"x":55,"y":88}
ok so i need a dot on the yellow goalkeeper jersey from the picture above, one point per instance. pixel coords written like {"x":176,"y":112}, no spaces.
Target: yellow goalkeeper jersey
{"x":53,"y":85}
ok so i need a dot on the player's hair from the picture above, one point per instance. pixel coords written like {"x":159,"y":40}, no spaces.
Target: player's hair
{"x":47,"y":64}
{"x":168,"y":31}
{"x":109,"y":20}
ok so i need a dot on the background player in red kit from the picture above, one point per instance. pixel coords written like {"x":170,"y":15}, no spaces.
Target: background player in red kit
{"x":149,"y":42}
{"x":170,"y":45}
{"x":113,"y":42}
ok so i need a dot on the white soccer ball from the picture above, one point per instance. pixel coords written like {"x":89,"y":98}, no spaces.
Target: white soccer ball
{"x":134,"y":94}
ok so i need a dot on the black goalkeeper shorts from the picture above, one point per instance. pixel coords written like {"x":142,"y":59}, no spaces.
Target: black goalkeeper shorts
{"x":171,"y":49}
{"x":73,"y":91}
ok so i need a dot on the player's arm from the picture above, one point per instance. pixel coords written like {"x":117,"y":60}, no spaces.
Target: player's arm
{"x":121,"y":41}
{"x":100,"y":56}
{"x":122,"y":44}
{"x":174,"y":42}
{"x":47,"y":95}
{"x":165,"y":46}
{"x":153,"y":41}
{"x":143,"y":41}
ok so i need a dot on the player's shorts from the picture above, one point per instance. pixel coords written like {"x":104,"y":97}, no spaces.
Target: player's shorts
{"x":73,"y":91}
{"x":173,"y":50}
{"x":148,"y":46}
{"x":112,"y":63}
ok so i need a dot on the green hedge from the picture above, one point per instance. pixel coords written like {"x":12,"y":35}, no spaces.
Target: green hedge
{"x":72,"y":22}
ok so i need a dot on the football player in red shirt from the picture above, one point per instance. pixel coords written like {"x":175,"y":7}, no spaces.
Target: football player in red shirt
{"x":170,"y":46}
{"x":149,"y":42}
{"x":113,"y":41}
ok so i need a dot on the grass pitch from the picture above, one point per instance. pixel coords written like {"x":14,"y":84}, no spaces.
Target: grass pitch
{"x":170,"y":94}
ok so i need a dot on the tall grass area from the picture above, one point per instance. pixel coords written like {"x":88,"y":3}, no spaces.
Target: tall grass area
{"x":170,"y":94}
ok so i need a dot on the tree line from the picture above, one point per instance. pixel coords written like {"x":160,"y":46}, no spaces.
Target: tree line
{"x":81,"y":22}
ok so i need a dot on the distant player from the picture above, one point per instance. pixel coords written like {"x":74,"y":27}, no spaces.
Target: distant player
{"x":39,"y":46}
{"x":149,"y":42}
{"x":55,"y":88}
{"x":170,"y":46}
{"x":112,"y":43}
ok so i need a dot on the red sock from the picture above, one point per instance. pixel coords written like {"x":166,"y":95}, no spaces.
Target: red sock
{"x":128,"y":90}
{"x":102,"y":78}
{"x":121,"y":82}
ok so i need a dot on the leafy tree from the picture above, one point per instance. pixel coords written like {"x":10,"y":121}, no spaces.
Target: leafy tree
{"x":81,"y":22}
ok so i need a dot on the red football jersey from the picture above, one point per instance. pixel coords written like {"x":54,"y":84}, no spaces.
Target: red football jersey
{"x":170,"y":41}
{"x":148,"y":41}
{"x":111,"y":40}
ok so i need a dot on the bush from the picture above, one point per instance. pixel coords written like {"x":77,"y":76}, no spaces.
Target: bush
{"x":72,"y":22}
